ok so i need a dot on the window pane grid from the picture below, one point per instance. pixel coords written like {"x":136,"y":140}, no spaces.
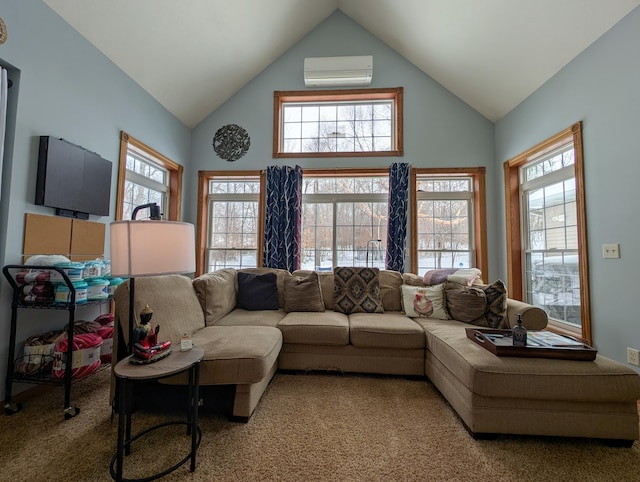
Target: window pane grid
{"x":145,"y":182}
{"x":365,"y":126}
{"x":233,"y":223}
{"x":551,"y":261}
{"x":444,"y":234}
{"x":344,"y":222}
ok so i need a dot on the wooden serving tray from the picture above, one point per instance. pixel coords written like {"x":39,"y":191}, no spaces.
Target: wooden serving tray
{"x":540,"y":344}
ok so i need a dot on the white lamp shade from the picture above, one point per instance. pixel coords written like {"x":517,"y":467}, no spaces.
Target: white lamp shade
{"x":150,"y":248}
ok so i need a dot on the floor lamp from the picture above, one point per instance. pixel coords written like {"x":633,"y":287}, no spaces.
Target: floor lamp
{"x":150,"y":248}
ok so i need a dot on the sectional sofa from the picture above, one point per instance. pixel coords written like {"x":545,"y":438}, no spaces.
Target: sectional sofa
{"x":253,"y":322}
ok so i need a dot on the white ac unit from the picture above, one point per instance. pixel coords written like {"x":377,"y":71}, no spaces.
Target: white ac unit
{"x":338,"y":71}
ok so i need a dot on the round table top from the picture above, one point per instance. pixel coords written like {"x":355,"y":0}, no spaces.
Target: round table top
{"x":177,"y":361}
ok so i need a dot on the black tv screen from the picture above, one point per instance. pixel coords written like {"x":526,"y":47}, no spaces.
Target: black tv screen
{"x":71,"y":179}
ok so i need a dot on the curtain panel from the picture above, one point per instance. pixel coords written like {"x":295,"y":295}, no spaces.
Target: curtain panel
{"x":283,"y":218}
{"x":397,"y":222}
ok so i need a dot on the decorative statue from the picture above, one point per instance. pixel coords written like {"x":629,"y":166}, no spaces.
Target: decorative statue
{"x":144,"y":333}
{"x":146,"y":348}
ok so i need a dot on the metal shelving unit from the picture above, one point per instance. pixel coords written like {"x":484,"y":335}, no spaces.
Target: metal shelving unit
{"x":12,"y":377}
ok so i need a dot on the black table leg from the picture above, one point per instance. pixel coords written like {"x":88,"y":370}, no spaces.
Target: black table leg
{"x":194,"y":417}
{"x":122,"y":415}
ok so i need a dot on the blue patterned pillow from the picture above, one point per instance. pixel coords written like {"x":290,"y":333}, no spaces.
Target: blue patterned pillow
{"x":357,"y":290}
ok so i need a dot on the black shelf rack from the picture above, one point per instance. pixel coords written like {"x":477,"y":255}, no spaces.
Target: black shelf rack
{"x":9,"y":272}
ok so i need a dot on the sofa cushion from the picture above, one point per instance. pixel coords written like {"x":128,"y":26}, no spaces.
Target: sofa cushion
{"x":217,"y":293}
{"x":281,"y":274}
{"x":240,"y":317}
{"x":176,"y":308}
{"x":435,"y":294}
{"x":357,"y":290}
{"x":488,"y":375}
{"x":327,"y":328}
{"x":496,"y":304}
{"x":237,"y":354}
{"x":385,"y":330}
{"x":390,"y":283}
{"x":326,"y":285}
{"x":482,"y":305}
{"x":412,"y":279}
{"x":302,"y":293}
{"x":466,"y":303}
{"x":257,"y":291}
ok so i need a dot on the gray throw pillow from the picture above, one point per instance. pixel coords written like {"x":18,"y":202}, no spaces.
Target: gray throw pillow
{"x":466,"y":303}
{"x":302,"y":293}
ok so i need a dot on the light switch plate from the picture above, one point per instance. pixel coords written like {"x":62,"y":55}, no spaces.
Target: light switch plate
{"x":610,"y":251}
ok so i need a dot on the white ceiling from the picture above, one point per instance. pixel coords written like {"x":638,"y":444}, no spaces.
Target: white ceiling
{"x":490,"y":53}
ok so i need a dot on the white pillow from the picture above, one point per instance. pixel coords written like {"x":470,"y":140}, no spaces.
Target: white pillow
{"x":416,"y":300}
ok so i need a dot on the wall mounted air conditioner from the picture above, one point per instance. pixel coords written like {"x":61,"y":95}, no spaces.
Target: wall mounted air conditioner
{"x":338,"y":71}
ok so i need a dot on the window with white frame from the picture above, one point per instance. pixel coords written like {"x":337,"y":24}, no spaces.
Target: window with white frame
{"x":338,"y":123}
{"x":550,"y":235}
{"x":146,"y":176}
{"x":344,"y":221}
{"x":146,"y":181}
{"x":233,"y":222}
{"x":445,"y":222}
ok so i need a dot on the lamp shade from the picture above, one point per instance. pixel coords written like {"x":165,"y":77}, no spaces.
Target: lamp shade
{"x":150,"y":248}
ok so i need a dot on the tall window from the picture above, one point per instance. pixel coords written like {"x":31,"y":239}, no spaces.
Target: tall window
{"x":551,"y":278}
{"x":344,"y":219}
{"x":146,"y":176}
{"x":445,"y":217}
{"x":545,"y":185}
{"x":448,"y":219}
{"x":338,"y":123}
{"x":233,"y":220}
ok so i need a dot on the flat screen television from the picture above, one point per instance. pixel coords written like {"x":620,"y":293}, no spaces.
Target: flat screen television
{"x":71,"y":179}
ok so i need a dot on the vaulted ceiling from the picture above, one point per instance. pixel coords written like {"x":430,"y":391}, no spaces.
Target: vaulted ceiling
{"x":193,"y":55}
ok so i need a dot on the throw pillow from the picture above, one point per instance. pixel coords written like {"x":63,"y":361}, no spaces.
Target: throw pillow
{"x":496,"y":313}
{"x":357,"y":290}
{"x":418,"y":300}
{"x":466,"y":303}
{"x":302,"y":293}
{"x":257,"y":291}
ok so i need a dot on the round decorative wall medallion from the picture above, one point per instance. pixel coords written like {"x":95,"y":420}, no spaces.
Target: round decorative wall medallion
{"x":231,"y":142}
{"x":3,"y":31}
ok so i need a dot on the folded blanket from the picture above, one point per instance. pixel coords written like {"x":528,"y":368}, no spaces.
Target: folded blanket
{"x":462,"y":276}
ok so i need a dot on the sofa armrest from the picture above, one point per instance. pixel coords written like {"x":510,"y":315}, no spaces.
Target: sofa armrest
{"x":533,"y":318}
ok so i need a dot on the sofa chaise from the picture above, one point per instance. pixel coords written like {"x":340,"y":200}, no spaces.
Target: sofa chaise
{"x":301,"y":329}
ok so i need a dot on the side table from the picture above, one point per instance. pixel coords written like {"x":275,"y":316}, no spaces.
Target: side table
{"x":126,"y":374}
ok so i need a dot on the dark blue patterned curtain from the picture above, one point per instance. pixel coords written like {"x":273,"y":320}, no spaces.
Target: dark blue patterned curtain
{"x":283,"y":221}
{"x":397,"y":223}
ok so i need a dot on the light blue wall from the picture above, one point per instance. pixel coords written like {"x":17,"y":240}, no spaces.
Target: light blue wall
{"x":440,"y":129}
{"x":601,"y":87}
{"x":67,"y":88}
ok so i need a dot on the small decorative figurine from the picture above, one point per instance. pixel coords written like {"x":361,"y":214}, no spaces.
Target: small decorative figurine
{"x":144,"y":329}
{"x":146,"y":348}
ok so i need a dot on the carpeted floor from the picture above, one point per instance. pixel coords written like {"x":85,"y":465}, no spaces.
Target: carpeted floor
{"x":307,"y":427}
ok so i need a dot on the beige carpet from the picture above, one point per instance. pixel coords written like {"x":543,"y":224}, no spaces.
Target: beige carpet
{"x":307,"y":427}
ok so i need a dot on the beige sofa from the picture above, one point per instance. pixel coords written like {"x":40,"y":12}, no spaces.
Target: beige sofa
{"x":491,"y":394}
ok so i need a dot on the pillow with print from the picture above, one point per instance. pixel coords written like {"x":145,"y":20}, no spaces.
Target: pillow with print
{"x":424,"y":301}
{"x":357,"y":290}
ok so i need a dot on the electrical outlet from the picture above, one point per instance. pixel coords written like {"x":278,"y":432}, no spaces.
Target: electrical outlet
{"x":633,"y":356}
{"x":610,"y":251}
